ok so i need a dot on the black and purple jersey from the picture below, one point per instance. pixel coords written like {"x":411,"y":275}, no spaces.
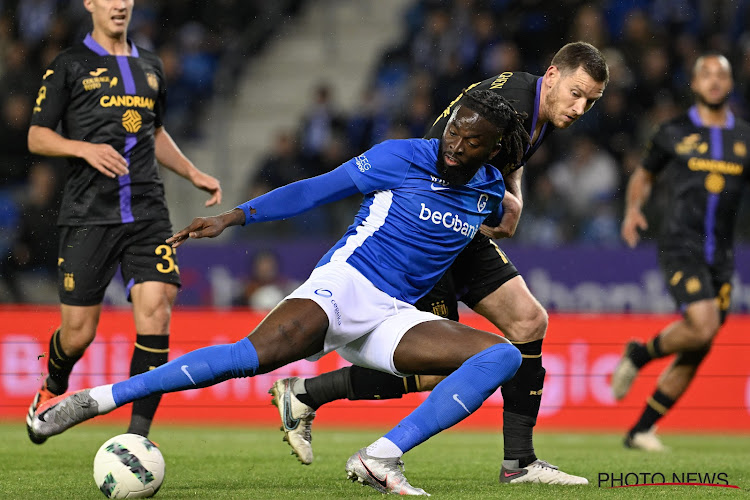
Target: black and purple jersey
{"x":118,"y":100}
{"x":707,"y":170}
{"x":523,"y":91}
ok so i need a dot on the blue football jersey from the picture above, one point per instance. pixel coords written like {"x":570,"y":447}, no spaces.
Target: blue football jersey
{"x":411,"y":224}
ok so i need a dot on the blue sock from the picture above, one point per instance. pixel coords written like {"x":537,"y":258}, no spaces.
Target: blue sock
{"x":199,"y":368}
{"x":458,"y":396}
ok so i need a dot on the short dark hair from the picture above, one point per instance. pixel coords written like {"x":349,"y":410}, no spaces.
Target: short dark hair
{"x":498,"y":111}
{"x":575,"y":55}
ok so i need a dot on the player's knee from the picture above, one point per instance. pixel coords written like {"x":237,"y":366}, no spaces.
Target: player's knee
{"x":503,"y":359}
{"x":533,"y":326}
{"x":76,"y":336}
{"x":153,"y":316}
{"x":703,"y":330}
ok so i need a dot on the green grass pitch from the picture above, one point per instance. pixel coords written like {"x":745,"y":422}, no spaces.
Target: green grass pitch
{"x":229,"y":462}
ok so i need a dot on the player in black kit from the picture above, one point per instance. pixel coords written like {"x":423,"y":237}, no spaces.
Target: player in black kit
{"x":107,"y":96}
{"x":705,"y":154}
{"x":483,"y":278}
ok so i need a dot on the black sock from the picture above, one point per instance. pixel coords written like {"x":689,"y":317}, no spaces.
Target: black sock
{"x":59,"y":365}
{"x":352,"y":383}
{"x":150,"y":351}
{"x":522,"y":396}
{"x":656,"y":407}
{"x":643,"y":353}
{"x":325,"y":388}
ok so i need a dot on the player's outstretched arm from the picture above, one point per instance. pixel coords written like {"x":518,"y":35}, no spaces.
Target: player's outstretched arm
{"x":208,"y":227}
{"x":281,"y":203}
{"x":170,"y":155}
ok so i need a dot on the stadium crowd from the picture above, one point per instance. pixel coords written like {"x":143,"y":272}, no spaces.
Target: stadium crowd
{"x":573,"y":194}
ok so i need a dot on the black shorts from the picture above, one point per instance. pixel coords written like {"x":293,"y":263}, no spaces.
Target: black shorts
{"x":88,"y":257}
{"x":691,"y":279}
{"x":480,"y":269}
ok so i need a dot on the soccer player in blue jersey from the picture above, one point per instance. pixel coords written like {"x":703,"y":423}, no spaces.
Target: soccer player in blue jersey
{"x":101,"y":106}
{"x":704,"y":152}
{"x":424,"y":202}
{"x":483,"y":278}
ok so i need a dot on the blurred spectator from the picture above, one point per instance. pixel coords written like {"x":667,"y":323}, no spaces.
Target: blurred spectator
{"x":267,"y":286}
{"x":281,"y":166}
{"x":368,"y":123}
{"x":34,"y":18}
{"x":320,"y":122}
{"x":585,"y":178}
{"x":34,"y":249}
{"x":14,"y":125}
{"x":436,"y":43}
{"x":589,"y":26}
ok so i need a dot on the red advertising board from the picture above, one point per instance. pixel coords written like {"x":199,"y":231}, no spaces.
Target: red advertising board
{"x":580,"y":353}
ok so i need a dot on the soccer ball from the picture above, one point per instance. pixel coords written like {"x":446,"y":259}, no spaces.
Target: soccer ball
{"x":128,"y":466}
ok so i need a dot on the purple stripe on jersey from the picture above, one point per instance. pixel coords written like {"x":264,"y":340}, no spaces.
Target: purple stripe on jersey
{"x":709,"y":246}
{"x":126,"y":209}
{"x":695,"y":117}
{"x":101,"y":51}
{"x":126,"y":74}
{"x":712,"y":202}
{"x":94,"y":45}
{"x":533,"y":147}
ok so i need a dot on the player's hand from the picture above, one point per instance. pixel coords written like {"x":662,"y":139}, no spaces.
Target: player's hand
{"x":201,"y":227}
{"x":207,"y":227}
{"x":634,"y":221}
{"x":105,"y":159}
{"x":508,"y":223}
{"x":210,"y":184}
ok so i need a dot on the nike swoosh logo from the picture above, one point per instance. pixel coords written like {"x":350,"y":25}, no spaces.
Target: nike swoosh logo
{"x":184,"y":369}
{"x":41,"y":415}
{"x":458,"y":400}
{"x":290,"y":422}
{"x":438,"y":188}
{"x":511,"y":474}
{"x":98,"y":71}
{"x":381,"y":482}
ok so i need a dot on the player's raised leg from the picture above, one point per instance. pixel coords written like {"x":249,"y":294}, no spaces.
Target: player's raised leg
{"x":279,"y":339}
{"x":478,"y":362}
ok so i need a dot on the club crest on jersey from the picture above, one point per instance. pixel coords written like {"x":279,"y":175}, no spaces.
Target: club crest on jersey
{"x":482,"y":203}
{"x":363,"y":164}
{"x":152,"y":81}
